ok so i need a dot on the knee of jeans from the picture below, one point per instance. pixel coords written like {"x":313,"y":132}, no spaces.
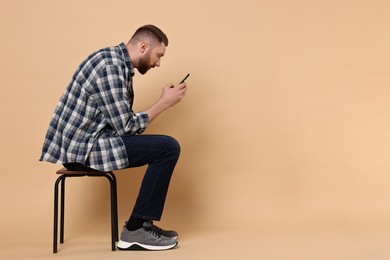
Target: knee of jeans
{"x":172,"y":145}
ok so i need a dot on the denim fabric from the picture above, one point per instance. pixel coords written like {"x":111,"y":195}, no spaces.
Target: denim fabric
{"x":160,"y":153}
{"x":77,"y":167}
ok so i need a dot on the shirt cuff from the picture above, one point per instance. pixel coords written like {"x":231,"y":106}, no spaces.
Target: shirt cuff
{"x":143,"y":121}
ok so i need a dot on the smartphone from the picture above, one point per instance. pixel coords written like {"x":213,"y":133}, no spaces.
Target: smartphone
{"x":184,"y":78}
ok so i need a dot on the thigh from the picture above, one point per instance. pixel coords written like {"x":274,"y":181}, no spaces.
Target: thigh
{"x":144,"y":149}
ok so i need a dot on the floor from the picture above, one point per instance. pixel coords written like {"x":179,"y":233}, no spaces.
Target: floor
{"x":290,"y":244}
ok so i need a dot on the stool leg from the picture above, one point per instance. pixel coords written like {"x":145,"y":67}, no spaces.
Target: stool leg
{"x":115,"y":206}
{"x":113,"y":233}
{"x":55,"y":230}
{"x":62,"y":219}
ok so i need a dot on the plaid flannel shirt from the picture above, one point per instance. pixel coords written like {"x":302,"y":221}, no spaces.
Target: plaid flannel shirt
{"x":94,"y":111}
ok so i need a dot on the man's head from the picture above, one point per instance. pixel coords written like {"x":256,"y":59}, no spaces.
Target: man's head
{"x":146,"y":47}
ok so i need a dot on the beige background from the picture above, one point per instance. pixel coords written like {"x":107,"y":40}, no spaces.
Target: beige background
{"x":285,"y":131}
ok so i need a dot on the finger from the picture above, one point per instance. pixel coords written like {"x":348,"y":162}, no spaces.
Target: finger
{"x":182,"y":85}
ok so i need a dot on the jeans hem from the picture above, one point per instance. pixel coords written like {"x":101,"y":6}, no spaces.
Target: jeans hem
{"x":146,"y":217}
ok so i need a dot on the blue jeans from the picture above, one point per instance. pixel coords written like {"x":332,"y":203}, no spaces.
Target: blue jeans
{"x":160,"y":153}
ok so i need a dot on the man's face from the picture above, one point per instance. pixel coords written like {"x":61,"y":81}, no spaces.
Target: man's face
{"x":151,"y":58}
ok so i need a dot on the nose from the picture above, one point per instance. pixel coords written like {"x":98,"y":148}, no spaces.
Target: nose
{"x":157,"y":63}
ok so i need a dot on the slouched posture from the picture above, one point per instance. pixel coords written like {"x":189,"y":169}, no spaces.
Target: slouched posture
{"x":95,"y":127}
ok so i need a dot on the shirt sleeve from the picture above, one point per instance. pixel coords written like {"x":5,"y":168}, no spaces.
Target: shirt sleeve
{"x":113,"y":100}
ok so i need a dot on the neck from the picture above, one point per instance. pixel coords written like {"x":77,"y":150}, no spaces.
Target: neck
{"x":133,"y":54}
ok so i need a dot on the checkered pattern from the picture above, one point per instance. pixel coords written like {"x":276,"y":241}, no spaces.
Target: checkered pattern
{"x":94,"y":111}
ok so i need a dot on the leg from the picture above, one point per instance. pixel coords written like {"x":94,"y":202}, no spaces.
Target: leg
{"x":115,"y":205}
{"x":55,"y":231}
{"x":114,"y":234}
{"x":62,"y":218}
{"x":160,"y":153}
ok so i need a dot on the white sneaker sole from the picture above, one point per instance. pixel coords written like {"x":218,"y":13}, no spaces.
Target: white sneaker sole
{"x":138,"y":246}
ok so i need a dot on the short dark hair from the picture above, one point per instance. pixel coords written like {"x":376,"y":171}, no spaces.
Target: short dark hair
{"x":149,"y":31}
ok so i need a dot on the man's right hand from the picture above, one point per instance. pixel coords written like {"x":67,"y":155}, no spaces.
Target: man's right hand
{"x":170,"y":96}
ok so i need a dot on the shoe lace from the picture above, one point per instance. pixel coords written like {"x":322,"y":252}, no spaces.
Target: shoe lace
{"x":154,"y":230}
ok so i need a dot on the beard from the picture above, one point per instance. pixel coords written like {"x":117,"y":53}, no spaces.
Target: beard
{"x":143,"y":65}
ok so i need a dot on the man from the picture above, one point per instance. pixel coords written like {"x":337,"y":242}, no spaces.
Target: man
{"x":94,"y":127}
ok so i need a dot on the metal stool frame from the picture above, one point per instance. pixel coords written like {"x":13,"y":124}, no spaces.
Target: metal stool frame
{"x":114,"y":205}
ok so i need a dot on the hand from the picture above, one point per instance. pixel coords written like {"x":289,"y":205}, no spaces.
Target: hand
{"x":172,"y":95}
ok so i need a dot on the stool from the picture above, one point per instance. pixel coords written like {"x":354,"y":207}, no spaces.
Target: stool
{"x":65,"y":173}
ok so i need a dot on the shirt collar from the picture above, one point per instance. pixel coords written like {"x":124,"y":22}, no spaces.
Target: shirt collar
{"x":128,"y":62}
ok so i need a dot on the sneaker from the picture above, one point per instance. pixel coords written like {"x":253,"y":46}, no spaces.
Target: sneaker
{"x":165,"y":233}
{"x":146,"y":238}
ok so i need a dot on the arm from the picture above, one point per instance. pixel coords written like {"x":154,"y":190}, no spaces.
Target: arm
{"x":113,"y":100}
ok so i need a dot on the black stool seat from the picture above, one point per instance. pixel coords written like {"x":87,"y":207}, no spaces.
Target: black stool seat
{"x":65,"y":173}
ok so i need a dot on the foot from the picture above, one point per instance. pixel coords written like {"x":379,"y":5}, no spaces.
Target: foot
{"x":165,"y":233}
{"x":149,"y":237}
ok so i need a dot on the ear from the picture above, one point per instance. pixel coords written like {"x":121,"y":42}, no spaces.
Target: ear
{"x":143,"y":47}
